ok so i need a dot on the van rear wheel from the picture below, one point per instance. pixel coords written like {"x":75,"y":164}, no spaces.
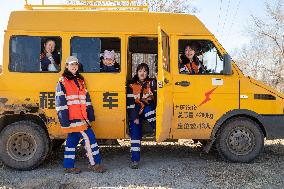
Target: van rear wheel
{"x":240,"y":140}
{"x":24,"y":145}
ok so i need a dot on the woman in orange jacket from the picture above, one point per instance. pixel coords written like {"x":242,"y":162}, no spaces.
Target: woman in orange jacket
{"x":75,"y":113}
{"x":140,"y":105}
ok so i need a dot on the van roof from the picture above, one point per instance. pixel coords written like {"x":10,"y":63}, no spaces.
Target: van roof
{"x":105,"y":22}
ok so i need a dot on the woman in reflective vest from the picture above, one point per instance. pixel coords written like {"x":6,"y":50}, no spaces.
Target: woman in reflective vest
{"x":76,"y":113}
{"x":140,"y":105}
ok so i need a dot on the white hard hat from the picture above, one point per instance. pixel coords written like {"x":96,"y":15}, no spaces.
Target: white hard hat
{"x":71,"y":59}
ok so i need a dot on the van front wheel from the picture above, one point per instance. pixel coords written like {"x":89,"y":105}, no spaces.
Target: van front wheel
{"x":23,"y":145}
{"x":240,"y":140}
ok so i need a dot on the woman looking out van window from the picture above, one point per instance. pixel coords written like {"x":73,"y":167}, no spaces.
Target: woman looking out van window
{"x":189,"y":62}
{"x":49,"y":58}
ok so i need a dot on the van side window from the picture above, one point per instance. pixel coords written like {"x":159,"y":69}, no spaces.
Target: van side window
{"x":34,"y":54}
{"x":97,"y":54}
{"x":199,"y":57}
{"x":166,"y":53}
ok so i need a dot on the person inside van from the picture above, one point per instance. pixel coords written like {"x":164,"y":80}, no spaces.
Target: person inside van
{"x":75,"y":113}
{"x":108,"y":62}
{"x":189,"y":62}
{"x":140,"y":105}
{"x":49,"y":58}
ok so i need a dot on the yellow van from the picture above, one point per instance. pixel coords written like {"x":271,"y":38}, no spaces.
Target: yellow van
{"x":218,"y":106}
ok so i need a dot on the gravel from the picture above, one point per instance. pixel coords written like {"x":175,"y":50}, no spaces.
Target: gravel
{"x":167,"y":165}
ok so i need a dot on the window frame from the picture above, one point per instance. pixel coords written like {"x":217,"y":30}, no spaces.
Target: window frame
{"x":46,"y":36}
{"x":120,"y":57}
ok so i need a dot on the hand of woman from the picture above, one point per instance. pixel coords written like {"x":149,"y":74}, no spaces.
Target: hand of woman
{"x":48,"y":54}
{"x":136,"y":121}
{"x":145,"y":100}
{"x":150,"y":97}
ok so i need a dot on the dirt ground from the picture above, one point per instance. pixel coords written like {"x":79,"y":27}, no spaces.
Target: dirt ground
{"x":168,"y":165}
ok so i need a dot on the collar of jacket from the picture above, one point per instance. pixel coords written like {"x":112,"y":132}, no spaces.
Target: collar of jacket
{"x":68,"y":75}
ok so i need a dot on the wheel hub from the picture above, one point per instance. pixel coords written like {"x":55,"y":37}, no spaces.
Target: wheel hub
{"x":21,"y":146}
{"x":240,"y":141}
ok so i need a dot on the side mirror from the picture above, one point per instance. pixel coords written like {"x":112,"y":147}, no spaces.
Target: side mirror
{"x":227,"y":65}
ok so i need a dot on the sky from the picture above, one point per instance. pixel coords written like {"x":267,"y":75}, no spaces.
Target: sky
{"x":226,"y":19}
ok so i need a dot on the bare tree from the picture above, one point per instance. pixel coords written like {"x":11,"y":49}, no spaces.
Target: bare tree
{"x":263,"y":57}
{"x":174,"y":6}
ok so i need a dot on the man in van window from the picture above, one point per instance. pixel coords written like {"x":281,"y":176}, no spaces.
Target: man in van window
{"x":108,"y":62}
{"x":49,"y":58}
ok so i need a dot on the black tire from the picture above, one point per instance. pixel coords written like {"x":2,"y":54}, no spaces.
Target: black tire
{"x":24,"y":145}
{"x":240,"y":140}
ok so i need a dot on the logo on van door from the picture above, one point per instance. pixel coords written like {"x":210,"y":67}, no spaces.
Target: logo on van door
{"x":47,"y":100}
{"x":110,"y":100}
{"x":207,"y":96}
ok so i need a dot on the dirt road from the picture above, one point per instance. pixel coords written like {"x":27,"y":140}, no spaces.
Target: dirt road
{"x":169,"y":165}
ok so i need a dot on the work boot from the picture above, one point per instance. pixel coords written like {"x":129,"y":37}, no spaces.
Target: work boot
{"x":134,"y":165}
{"x":72,"y":170}
{"x":97,"y":168}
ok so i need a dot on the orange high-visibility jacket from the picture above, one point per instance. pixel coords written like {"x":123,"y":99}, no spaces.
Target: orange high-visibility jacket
{"x":73,"y":105}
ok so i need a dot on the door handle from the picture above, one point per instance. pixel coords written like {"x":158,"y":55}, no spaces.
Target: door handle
{"x":183,"y":83}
